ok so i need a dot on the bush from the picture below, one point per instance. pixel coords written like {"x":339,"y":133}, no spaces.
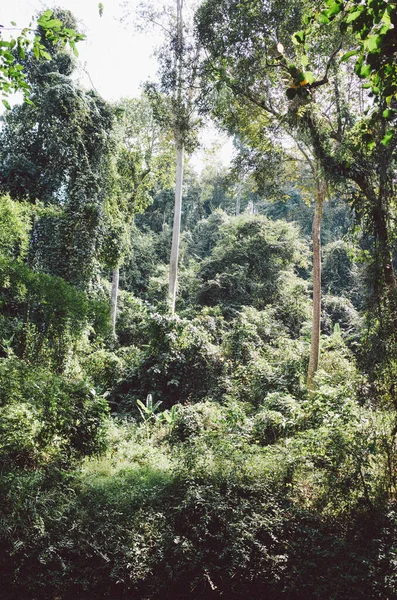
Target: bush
{"x":340,"y":311}
{"x":179,"y":364}
{"x":280,"y":416}
{"x":45,"y":417}
{"x":192,"y":420}
{"x":249,"y":263}
{"x":45,"y":314}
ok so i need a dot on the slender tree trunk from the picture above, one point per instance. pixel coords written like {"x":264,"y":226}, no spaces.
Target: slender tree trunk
{"x":316,"y":324}
{"x":176,"y":232}
{"x":113,"y":298}
{"x":238,"y":200}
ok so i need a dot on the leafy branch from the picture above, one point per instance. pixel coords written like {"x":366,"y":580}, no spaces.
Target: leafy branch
{"x":13,"y":52}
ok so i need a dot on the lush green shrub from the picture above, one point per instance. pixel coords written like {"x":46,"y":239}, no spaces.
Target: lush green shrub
{"x":280,"y":416}
{"x":179,"y":364}
{"x":45,"y":314}
{"x":341,"y":312}
{"x":45,"y":417}
{"x":340,"y":275}
{"x":132,"y":316}
{"x":214,"y":516}
{"x":15,"y":225}
{"x":104,"y":368}
{"x":248,"y":263}
{"x":192,"y":420}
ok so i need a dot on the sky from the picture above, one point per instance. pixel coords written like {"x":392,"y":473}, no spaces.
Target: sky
{"x":114,"y":58}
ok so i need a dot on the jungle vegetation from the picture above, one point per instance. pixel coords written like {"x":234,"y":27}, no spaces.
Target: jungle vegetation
{"x":198,"y":370}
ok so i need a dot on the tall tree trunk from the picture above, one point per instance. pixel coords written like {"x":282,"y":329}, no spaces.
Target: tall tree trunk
{"x":238,"y":200}
{"x":316,"y":324}
{"x":176,"y":232}
{"x":113,"y":298}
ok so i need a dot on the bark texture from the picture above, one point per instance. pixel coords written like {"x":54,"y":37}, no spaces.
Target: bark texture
{"x":113,"y":298}
{"x":176,"y":231}
{"x":316,"y":323}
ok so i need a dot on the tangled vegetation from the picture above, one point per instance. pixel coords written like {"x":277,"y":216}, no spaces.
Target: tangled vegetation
{"x":152,"y":455}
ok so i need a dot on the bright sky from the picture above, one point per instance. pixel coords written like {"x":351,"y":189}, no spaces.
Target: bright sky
{"x":114,"y":58}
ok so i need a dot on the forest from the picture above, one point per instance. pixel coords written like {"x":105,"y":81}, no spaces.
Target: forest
{"x":198,"y":393}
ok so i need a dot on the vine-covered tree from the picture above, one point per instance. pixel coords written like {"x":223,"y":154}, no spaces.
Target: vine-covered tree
{"x":56,"y":151}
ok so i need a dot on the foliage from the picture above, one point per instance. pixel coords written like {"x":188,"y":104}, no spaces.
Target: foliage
{"x":45,"y":417}
{"x":217,"y":513}
{"x":15,"y":226}
{"x":248,"y":263}
{"x":180,"y":363}
{"x":372,"y":25}
{"x":44,"y":314}
{"x":63,"y":163}
{"x":13,"y":51}
{"x":218,"y":474}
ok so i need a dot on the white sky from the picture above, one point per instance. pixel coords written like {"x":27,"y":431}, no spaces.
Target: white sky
{"x":114,"y":58}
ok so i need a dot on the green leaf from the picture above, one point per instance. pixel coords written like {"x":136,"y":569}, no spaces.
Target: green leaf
{"x":334,"y":9}
{"x":13,"y":23}
{"x":309,"y":77}
{"x":45,"y":17}
{"x":386,"y":18}
{"x":73,"y":47}
{"x":388,"y":138}
{"x":372,"y":43}
{"x":349,"y":54}
{"x":44,"y":54}
{"x":299,"y":37}
{"x":387,"y":113}
{"x":323,"y":18}
{"x":100,"y":8}
{"x":6,"y":104}
{"x":305,"y":60}
{"x":353,"y":16}
{"x":53,"y":24}
{"x":365,"y":71}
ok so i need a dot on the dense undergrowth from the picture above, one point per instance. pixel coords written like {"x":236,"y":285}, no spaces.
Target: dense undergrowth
{"x":288,"y":501}
{"x":183,"y":456}
{"x":227,"y":479}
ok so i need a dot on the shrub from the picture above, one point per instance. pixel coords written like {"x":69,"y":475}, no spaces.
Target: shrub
{"x":44,"y":416}
{"x":46,"y":313}
{"x":179,"y":364}
{"x":249,"y":262}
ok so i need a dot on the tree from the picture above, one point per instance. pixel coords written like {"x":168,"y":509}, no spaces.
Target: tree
{"x":252,"y":264}
{"x":264,"y":155}
{"x":140,"y":163}
{"x":56,"y":150}
{"x":261,"y":54}
{"x":176,"y":98}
